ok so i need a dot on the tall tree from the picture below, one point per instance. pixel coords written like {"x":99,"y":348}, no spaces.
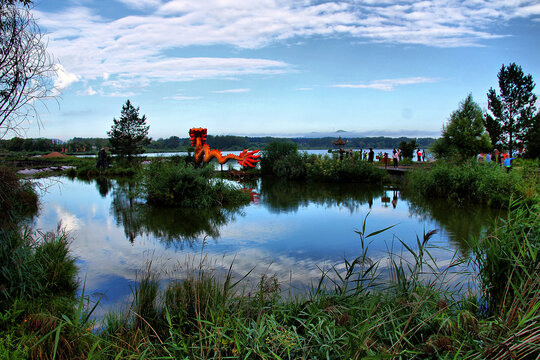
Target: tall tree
{"x":26,"y":69}
{"x":532,"y":140}
{"x":515,"y":107}
{"x":129,"y":134}
{"x":464,"y":134}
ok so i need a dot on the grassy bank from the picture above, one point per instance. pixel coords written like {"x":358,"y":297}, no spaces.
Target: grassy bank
{"x":486,"y":183}
{"x":356,"y":310}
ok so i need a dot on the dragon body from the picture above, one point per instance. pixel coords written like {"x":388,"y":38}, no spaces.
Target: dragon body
{"x":204,"y":153}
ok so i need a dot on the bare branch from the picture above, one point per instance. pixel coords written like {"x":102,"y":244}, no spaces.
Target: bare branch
{"x":26,"y":69}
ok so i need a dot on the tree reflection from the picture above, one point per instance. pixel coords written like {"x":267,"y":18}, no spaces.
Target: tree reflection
{"x":286,"y":196}
{"x":461,"y":221}
{"x":176,"y":227}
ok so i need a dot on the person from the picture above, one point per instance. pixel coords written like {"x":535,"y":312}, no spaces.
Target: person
{"x":385,"y":160}
{"x":488,"y":157}
{"x":418,"y":155}
{"x":371,"y":155}
{"x":394,"y":200}
{"x":480,"y":157}
{"x":496,"y":154}
{"x":423,"y":155}
{"x":508,"y":163}
{"x":395,"y":156}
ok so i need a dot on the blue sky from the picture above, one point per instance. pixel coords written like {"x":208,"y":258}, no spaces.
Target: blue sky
{"x":279,"y":67}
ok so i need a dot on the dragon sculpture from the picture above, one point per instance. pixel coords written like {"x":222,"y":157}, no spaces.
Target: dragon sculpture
{"x":204,"y":153}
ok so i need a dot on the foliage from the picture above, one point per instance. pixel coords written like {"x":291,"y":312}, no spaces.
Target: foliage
{"x":494,"y":129}
{"x":532,"y":139}
{"x":512,"y":248}
{"x":515,"y":107}
{"x":177,"y":184}
{"x":129,"y":134}
{"x":354,"y":311}
{"x":350,"y":169}
{"x":509,"y":273}
{"x":26,"y":69}
{"x":36,"y":268}
{"x":469,"y":181}
{"x":18,"y":198}
{"x":464,"y":133}
{"x":407,"y":148}
{"x":281,"y":158}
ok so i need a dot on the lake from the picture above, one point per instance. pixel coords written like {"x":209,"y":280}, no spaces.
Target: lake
{"x":290,"y":230}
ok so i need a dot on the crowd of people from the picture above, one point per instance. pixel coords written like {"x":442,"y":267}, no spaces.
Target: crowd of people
{"x":503,"y":159}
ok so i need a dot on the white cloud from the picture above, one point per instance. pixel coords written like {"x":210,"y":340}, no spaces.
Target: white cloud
{"x":387,"y":84}
{"x":141,"y":4}
{"x":138,"y":48}
{"x":63,"y":79}
{"x":88,"y":91}
{"x":229,"y":91}
{"x":181,"y":97}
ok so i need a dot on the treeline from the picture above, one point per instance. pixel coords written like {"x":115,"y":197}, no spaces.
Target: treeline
{"x":222,"y":142}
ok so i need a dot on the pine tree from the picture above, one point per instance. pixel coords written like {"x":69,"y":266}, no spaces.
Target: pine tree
{"x":128,"y":134}
{"x":515,"y":107}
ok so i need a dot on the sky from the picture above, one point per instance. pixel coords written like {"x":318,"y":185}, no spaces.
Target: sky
{"x":278,"y":67}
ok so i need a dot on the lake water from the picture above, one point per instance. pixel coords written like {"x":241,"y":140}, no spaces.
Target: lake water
{"x":290,"y":230}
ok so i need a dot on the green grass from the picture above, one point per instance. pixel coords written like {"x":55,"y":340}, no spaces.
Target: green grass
{"x":282,"y":160}
{"x":472,"y":181}
{"x":401,"y":307}
{"x":171,"y":183}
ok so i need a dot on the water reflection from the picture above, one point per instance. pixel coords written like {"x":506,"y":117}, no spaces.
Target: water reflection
{"x":293,"y":231}
{"x":176,"y":227}
{"x":285,"y":196}
{"x":462,"y":222}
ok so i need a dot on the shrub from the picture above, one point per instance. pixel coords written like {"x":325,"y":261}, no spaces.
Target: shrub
{"x":282,"y":159}
{"x":169,"y":184}
{"x":350,"y":169}
{"x":17,"y":198}
{"x":469,"y":181}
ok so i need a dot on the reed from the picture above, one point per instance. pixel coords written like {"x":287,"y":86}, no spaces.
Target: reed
{"x":400,"y":306}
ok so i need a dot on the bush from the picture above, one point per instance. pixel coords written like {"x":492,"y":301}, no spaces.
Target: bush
{"x":469,"y":181}
{"x":281,"y":159}
{"x":170,"y":184}
{"x":18,"y":198}
{"x":36,"y":268}
{"x":350,"y":169}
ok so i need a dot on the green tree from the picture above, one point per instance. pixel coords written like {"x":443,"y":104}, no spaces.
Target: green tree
{"x":532,"y":141}
{"x":129,"y":134}
{"x":407,"y":148}
{"x":464,"y":135}
{"x":494,"y":129}
{"x":515,"y":107}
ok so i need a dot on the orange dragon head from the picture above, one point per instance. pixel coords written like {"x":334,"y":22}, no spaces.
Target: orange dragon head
{"x":197,"y":133}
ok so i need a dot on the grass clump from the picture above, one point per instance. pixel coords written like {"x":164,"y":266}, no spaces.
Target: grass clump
{"x":485,"y":183}
{"x":177,"y":184}
{"x":18,"y":198}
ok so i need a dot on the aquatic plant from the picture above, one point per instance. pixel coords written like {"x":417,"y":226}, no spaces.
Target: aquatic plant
{"x":177,"y":184}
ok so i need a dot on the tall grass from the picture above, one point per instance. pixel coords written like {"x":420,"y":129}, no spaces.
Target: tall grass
{"x":468,"y":181}
{"x":177,"y":184}
{"x":282,"y":160}
{"x":18,"y":198}
{"x":403,"y":306}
